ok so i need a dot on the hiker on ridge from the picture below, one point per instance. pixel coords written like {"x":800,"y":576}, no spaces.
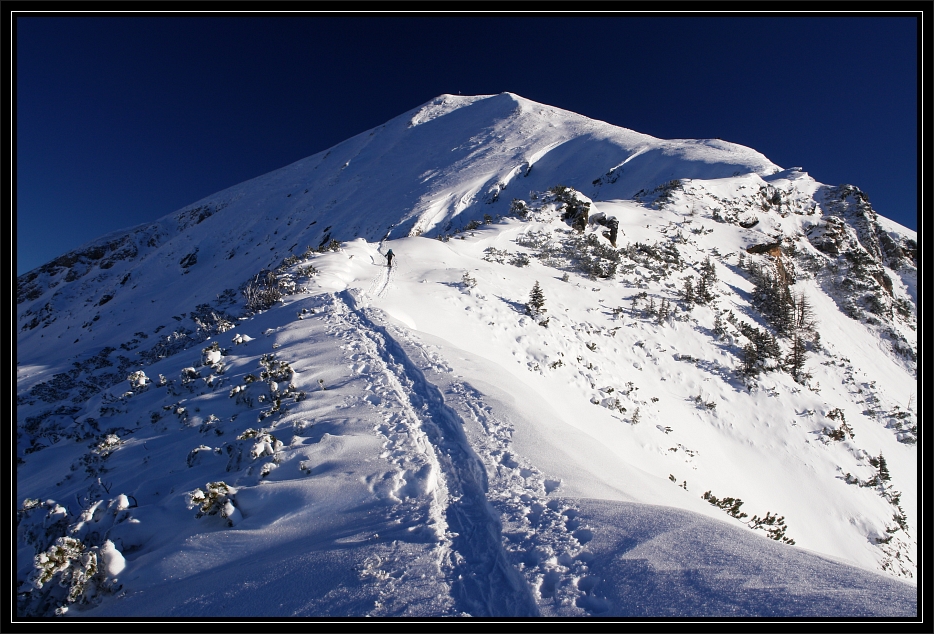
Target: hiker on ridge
{"x":389,"y":256}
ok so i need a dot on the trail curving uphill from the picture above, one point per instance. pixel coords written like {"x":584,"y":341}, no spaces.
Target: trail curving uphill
{"x":482,"y":580}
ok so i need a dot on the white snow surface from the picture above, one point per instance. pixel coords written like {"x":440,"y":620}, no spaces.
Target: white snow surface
{"x":433,"y":450}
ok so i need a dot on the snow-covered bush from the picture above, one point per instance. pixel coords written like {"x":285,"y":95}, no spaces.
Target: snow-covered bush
{"x":519,"y":208}
{"x":73,"y":567}
{"x":772,"y":525}
{"x":216,"y":498}
{"x":333,"y":245}
{"x":274,"y":369}
{"x":39,"y":523}
{"x":664,"y":193}
{"x":212,"y":354}
{"x":263,"y":291}
{"x":194,"y":454}
{"x":266,"y":445}
{"x":211,"y":321}
{"x":240,"y":338}
{"x":520,"y":260}
{"x":575,"y":210}
{"x":75,"y":563}
{"x":307,"y":271}
{"x":138,"y":381}
{"x":211,"y":424}
{"x":189,"y":375}
{"x":492,"y":254}
{"x":240,"y":394}
{"x":107,"y":444}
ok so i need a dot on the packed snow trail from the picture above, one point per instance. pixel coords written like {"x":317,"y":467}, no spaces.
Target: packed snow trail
{"x":483,"y":581}
{"x":381,"y":283}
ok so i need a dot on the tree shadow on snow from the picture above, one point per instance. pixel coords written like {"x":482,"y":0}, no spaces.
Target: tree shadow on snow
{"x":519,"y":307}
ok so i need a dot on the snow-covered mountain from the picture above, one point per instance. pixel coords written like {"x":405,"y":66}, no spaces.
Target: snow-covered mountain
{"x":240,"y":410}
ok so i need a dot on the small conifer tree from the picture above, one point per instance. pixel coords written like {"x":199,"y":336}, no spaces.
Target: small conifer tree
{"x":750,"y":360}
{"x":718,"y":327}
{"x":688,"y":293}
{"x":708,"y":281}
{"x":883,"y":470}
{"x":536,"y":304}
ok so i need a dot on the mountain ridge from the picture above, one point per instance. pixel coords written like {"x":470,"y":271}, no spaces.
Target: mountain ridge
{"x":667,"y":362}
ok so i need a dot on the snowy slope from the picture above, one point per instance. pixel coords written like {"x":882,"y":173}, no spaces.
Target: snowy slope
{"x":429,"y":448}
{"x":427,"y":171}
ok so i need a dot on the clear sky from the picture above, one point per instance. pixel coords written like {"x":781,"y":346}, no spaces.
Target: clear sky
{"x":122,"y":120}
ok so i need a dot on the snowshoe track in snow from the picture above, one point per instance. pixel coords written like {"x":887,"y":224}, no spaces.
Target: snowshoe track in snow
{"x":504,"y":548}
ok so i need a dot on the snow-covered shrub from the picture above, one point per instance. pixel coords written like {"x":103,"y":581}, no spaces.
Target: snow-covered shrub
{"x":138,"y":381}
{"x":194,"y":457}
{"x":242,"y":398}
{"x":492,"y":254}
{"x":107,"y":444}
{"x":519,"y":208}
{"x":762,"y":346}
{"x":275,"y":408}
{"x":74,"y":564}
{"x":211,"y":424}
{"x":227,"y":296}
{"x":274,"y":369}
{"x":211,"y":321}
{"x":289,"y":261}
{"x":263,"y":291}
{"x":307,"y":271}
{"x":333,"y":245}
{"x":664,"y":193}
{"x":216,"y":498}
{"x":772,"y":525}
{"x":178,"y":410}
{"x":520,"y":260}
{"x":212,"y":354}
{"x":575,"y":210}
{"x":39,"y":523}
{"x":189,"y":375}
{"x":266,"y":445}
{"x":100,"y":449}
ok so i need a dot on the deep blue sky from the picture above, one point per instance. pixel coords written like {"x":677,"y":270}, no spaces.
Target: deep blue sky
{"x":122,"y":120}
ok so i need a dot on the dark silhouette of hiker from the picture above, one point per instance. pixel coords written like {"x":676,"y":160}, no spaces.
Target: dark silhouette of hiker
{"x":389,"y":257}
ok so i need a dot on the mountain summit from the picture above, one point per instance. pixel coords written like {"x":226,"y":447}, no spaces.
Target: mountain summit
{"x":601,"y":361}
{"x":427,"y":172}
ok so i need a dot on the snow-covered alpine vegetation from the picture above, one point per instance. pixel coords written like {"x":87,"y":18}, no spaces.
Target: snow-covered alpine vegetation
{"x":607,"y":374}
